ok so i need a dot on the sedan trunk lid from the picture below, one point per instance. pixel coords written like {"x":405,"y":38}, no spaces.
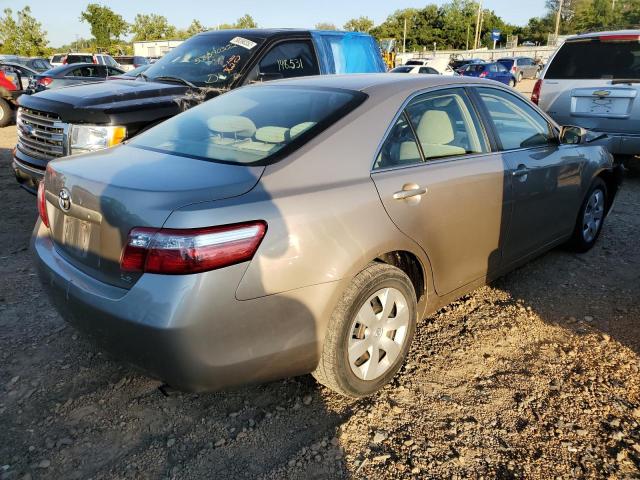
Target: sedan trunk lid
{"x":95,"y":200}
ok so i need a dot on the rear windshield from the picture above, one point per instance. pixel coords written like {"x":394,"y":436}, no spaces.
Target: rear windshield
{"x":414,"y":62}
{"x":79,"y":58}
{"x":507,"y":63}
{"x":475,"y":67}
{"x":597,"y":58}
{"x":251,"y":125}
{"x":401,"y":70}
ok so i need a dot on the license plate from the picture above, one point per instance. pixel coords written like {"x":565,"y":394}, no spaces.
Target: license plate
{"x":77,"y":236}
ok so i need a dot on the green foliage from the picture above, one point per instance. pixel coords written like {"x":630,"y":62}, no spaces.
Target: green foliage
{"x":152,"y":27}
{"x":245,"y":21}
{"x":107,"y":26}
{"x":23,"y":36}
{"x":360,"y":24}
{"x":325,"y":26}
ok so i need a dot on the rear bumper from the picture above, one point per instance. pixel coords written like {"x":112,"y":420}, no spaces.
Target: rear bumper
{"x":189,"y":330}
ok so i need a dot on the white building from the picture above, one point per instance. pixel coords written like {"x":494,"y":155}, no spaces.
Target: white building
{"x":154,"y":48}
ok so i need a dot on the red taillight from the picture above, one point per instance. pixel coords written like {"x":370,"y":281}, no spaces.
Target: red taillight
{"x":64,"y":60}
{"x":483,"y":74}
{"x":174,"y":251}
{"x":513,"y":69}
{"x":45,"y":81}
{"x":535,"y":94}
{"x":42,"y":204}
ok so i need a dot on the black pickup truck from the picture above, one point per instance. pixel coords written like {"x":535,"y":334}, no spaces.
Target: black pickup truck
{"x":90,"y":117}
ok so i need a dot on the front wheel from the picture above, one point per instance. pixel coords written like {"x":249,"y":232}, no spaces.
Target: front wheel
{"x":369,"y":333}
{"x":590,"y":218}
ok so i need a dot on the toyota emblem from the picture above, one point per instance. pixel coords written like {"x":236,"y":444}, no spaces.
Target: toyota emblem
{"x":64,"y":199}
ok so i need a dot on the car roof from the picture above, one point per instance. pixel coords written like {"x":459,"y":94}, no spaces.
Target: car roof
{"x":372,"y":82}
{"x":608,"y":33}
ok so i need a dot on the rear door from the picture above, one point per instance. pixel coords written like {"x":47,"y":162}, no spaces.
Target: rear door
{"x":594,"y":82}
{"x":443,"y":188}
{"x":546,"y":175}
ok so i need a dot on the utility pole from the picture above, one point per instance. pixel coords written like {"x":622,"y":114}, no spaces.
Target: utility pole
{"x":558,"y":18}
{"x":404,"y":36}
{"x":468,"y":29}
{"x":480,"y":29}
{"x":477,"y":34}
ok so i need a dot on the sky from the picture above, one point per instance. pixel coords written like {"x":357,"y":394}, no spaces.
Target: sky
{"x":60,"y":18}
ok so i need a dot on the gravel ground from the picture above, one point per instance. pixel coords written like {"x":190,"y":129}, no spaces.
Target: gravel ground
{"x":536,"y":376}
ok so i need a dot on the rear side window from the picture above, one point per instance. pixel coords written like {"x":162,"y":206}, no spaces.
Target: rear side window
{"x":444,"y":124}
{"x":616,"y":57}
{"x":429,"y":70}
{"x":518,"y":125}
{"x":474,"y":67}
{"x":87,"y":72}
{"x":252,"y":125}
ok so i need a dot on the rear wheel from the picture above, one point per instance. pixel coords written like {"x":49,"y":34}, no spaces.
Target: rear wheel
{"x":6,"y":113}
{"x":512,"y":82}
{"x":519,"y":77}
{"x":369,"y":333}
{"x":590,"y":217}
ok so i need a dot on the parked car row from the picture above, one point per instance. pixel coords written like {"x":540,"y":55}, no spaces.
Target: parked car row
{"x":185,"y":250}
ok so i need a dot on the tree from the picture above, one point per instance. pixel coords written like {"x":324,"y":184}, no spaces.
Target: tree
{"x":151,"y":27}
{"x":106,"y":25}
{"x":245,"y":21}
{"x":195,"y":28}
{"x":325,"y":26}
{"x":23,"y":36}
{"x":360,"y":24}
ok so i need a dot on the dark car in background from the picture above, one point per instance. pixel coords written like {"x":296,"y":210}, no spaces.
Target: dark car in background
{"x":73,"y":74}
{"x":131,"y":74}
{"x":492,"y":71}
{"x":35,"y":63}
{"x":99,"y":115}
{"x":460,"y":63}
{"x":131,"y":62}
{"x":521,"y":67}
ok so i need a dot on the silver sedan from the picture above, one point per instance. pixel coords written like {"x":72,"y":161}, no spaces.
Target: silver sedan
{"x":308,"y":225}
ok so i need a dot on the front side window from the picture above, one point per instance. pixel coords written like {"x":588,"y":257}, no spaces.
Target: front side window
{"x":251,"y":125}
{"x":518,"y":125}
{"x":287,"y":60}
{"x":433,"y":126}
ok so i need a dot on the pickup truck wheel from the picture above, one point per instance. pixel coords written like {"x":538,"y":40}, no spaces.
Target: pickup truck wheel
{"x":6,"y":113}
{"x":369,"y":333}
{"x":590,"y":218}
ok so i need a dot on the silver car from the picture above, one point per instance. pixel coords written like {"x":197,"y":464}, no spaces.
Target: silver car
{"x":593,"y":81}
{"x":307,"y":225}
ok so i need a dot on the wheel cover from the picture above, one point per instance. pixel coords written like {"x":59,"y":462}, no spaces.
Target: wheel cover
{"x":593,"y":214}
{"x":378,"y":334}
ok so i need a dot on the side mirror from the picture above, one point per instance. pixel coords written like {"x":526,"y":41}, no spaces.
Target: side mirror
{"x":572,"y":135}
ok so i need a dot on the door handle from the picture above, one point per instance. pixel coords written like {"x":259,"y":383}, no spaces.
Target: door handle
{"x":521,"y":171}
{"x":411,"y":192}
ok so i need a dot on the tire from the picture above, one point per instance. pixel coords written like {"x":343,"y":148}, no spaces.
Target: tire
{"x":6,"y":113}
{"x":595,"y":206}
{"x":632,"y":164}
{"x":519,"y":77}
{"x":512,"y":83}
{"x":365,"y":299}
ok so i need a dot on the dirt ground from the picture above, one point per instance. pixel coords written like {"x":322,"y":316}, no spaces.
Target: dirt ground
{"x":536,"y":376}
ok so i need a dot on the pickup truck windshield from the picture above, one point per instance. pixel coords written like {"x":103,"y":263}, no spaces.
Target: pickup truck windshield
{"x":210,"y":60}
{"x":250,"y":125}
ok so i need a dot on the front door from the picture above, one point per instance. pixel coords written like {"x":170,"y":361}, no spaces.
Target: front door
{"x":441,"y":187}
{"x":546,"y":175}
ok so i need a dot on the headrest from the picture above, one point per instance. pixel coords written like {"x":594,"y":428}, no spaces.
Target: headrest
{"x":301,"y":128}
{"x":435,"y":128}
{"x":272,"y":134}
{"x":233,"y":124}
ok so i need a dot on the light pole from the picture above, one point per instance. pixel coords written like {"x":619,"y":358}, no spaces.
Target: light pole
{"x":558,"y":19}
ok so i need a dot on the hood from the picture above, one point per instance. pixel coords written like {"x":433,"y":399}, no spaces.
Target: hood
{"x":115,"y":190}
{"x":101,"y":102}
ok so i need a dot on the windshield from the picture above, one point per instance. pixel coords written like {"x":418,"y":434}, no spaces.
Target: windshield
{"x":249,"y":126}
{"x":614,"y":57}
{"x":210,"y":60}
{"x":506,"y":62}
{"x":401,"y":70}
